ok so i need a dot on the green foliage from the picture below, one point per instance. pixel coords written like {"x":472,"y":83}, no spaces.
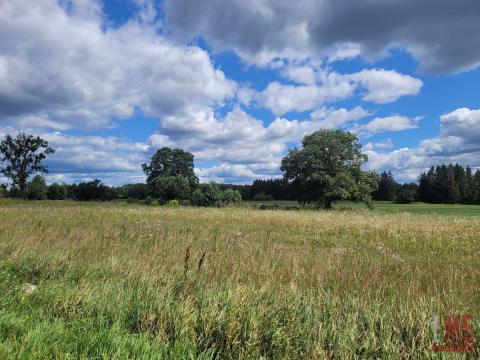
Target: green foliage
{"x":231,"y":197}
{"x":212,"y":194}
{"x":135,"y":191}
{"x":278,"y":189}
{"x":21,"y":157}
{"x":3,"y":190}
{"x":405,"y":196}
{"x":173,"y":203}
{"x":387,"y":187}
{"x":198,"y":199}
{"x":261,"y":196}
{"x":328,"y":168}
{"x":171,"y":163}
{"x":93,"y":190}
{"x":37,"y":188}
{"x":57,"y":192}
{"x":149,"y":201}
{"x":172,"y":187}
{"x":449,"y":184}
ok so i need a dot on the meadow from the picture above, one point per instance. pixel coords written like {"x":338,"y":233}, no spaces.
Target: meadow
{"x":123,"y":281}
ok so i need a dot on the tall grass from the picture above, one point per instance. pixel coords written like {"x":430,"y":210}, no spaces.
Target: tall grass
{"x":116,"y":281}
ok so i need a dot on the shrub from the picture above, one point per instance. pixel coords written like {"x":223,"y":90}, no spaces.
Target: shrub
{"x":261,"y":196}
{"x":93,"y":190}
{"x":208,"y":195}
{"x":212,"y":195}
{"x":136,"y":191}
{"x":198,"y":199}
{"x":405,"y":196}
{"x":149,"y":201}
{"x":57,"y":192}
{"x":173,"y":203}
{"x":231,"y":197}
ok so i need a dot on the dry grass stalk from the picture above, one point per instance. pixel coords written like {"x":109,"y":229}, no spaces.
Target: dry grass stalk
{"x":200,"y":261}
{"x":186,"y":264}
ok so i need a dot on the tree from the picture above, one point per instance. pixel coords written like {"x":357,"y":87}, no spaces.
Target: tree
{"x":328,"y":168}
{"x":198,"y":199}
{"x":476,"y":186}
{"x":470,"y":186}
{"x":93,"y":190}
{"x":207,"y":195}
{"x":37,"y":188}
{"x":57,"y":192}
{"x":426,"y":190}
{"x":261,"y":196}
{"x":212,"y":194}
{"x":231,"y":197}
{"x":405,"y":196}
{"x":22,"y":156}
{"x":172,"y":187}
{"x":135,"y":191}
{"x":387,"y":187}
{"x":171,"y":162}
{"x":3,"y":190}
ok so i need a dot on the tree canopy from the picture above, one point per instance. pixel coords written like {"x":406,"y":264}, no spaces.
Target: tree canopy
{"x":171,"y":162}
{"x":387,"y":187}
{"x":328,"y":168}
{"x":21,"y":157}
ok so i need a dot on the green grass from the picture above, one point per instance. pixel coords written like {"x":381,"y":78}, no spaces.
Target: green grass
{"x":114,"y":282}
{"x":390,"y":207}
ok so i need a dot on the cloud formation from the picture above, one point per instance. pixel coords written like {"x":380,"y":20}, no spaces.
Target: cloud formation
{"x":457,"y":141}
{"x":65,"y":67}
{"x":319,"y":87}
{"x":433,"y":31}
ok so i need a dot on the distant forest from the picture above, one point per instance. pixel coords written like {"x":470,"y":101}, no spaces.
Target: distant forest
{"x":448,"y":184}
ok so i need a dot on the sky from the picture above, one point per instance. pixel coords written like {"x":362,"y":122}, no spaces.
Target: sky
{"x":238,"y":83}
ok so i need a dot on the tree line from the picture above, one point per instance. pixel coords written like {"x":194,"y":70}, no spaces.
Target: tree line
{"x":327,"y":168}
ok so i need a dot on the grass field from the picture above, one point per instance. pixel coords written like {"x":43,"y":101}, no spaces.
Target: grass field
{"x":93,"y":280}
{"x":390,"y":207}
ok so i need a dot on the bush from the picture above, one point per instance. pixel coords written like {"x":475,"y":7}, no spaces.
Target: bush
{"x":149,"y":201}
{"x":57,"y":192}
{"x":261,"y":196}
{"x":3,"y":191}
{"x":37,"y":188}
{"x":207,"y":195}
{"x":93,"y":190}
{"x":231,"y":197}
{"x":198,"y":199}
{"x":405,"y":196}
{"x":135,"y":191}
{"x":212,"y":194}
{"x":173,"y":203}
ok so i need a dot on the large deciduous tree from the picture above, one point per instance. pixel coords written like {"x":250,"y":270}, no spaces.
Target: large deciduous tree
{"x":171,"y":162}
{"x":172,"y":187}
{"x":21,"y":157}
{"x":328,"y":168}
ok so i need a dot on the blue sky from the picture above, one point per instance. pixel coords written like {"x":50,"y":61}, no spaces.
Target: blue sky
{"x":238,"y":83}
